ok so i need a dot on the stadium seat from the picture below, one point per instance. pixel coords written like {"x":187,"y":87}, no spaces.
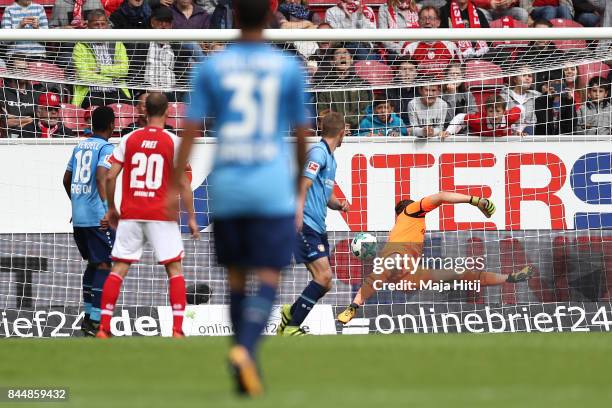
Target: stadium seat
{"x":374,"y":72}
{"x":73,"y":117}
{"x":508,"y":22}
{"x":476,"y":70}
{"x":588,"y":71}
{"x":176,"y":115}
{"x":565,"y":45}
{"x":125,"y":114}
{"x":45,"y":70}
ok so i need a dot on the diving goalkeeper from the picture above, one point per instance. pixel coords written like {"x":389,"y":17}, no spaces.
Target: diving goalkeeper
{"x":406,"y":238}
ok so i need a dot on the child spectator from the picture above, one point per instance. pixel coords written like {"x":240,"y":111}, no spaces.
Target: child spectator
{"x":458,"y":98}
{"x":26,"y":15}
{"x":555,"y":109}
{"x":519,"y":93}
{"x":350,"y":103}
{"x":400,"y":97}
{"x":47,"y":123}
{"x":494,"y":120}
{"x":595,"y":116}
{"x":432,"y":56}
{"x":428,"y":113}
{"x":131,"y":14}
{"x":549,"y":9}
{"x":464,"y":14}
{"x":397,"y":14}
{"x":383,"y":121}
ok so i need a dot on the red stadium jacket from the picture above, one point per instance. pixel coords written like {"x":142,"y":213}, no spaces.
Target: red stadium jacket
{"x":479,"y":125}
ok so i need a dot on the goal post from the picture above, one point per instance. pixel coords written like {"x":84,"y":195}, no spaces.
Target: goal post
{"x":418,"y":125}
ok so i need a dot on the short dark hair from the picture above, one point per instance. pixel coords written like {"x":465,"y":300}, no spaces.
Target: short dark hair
{"x":401,"y":206}
{"x":97,"y":13}
{"x":496,"y":101}
{"x":599,"y":82}
{"x":156,"y":104}
{"x":332,"y":124}
{"x":102,"y":119}
{"x":252,"y":13}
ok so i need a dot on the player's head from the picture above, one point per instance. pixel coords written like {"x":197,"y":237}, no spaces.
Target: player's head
{"x":252,"y":14}
{"x":383,"y":109}
{"x":401,"y":206}
{"x":599,"y":89}
{"x":103,"y":121}
{"x":333,"y":127}
{"x":157,"y":106}
{"x":496,"y":108}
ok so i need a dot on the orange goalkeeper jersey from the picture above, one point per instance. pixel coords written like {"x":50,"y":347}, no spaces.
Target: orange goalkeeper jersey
{"x":408,"y":233}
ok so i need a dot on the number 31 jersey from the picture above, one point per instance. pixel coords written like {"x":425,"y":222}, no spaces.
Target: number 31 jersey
{"x":148,"y":156}
{"x":255,"y":92}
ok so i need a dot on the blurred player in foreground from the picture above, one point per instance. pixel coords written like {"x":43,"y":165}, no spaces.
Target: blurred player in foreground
{"x":315,"y":195}
{"x":147,"y":157}
{"x":406,"y":238}
{"x":84,"y":184}
{"x":256,"y":94}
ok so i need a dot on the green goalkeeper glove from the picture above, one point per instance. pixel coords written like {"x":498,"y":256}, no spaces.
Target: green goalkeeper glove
{"x":485,"y":205}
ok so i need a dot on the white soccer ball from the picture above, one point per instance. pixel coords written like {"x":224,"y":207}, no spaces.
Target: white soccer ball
{"x":363,"y":245}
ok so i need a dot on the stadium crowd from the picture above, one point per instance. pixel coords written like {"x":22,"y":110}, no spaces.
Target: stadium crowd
{"x":569,"y":100}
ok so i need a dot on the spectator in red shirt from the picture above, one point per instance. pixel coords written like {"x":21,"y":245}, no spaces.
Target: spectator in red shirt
{"x":493,"y":121}
{"x":432,"y":56}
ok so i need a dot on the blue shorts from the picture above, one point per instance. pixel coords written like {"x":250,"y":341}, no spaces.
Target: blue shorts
{"x":95,"y":244}
{"x":311,"y":245}
{"x":262,"y":242}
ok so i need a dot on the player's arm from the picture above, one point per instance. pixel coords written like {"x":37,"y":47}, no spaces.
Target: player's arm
{"x":110,"y":185}
{"x":301,"y":133}
{"x":304,"y":185}
{"x":485,"y":205}
{"x":337,"y":205}
{"x":67,"y":181}
{"x":187,"y":198}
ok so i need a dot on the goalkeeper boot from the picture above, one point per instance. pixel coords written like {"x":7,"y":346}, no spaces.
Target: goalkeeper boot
{"x":285,"y":319}
{"x":245,"y":372}
{"x":294,"y":331}
{"x":521,"y":276}
{"x":347,"y":315}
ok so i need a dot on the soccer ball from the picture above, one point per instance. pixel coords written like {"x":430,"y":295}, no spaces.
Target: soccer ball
{"x":363,"y":245}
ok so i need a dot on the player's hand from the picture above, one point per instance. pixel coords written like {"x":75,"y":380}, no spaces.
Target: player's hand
{"x":104,"y":224}
{"x":485,"y":205}
{"x":194,"y":229}
{"x":113,"y":217}
{"x":344,"y":206}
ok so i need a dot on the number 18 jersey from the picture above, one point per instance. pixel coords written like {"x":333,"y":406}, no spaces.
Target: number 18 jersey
{"x":148,"y":156}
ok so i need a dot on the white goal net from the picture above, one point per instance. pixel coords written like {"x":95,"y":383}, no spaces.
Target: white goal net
{"x":521,"y":116}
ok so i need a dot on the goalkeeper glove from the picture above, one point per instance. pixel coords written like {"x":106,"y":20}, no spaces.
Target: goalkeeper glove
{"x":485,"y":205}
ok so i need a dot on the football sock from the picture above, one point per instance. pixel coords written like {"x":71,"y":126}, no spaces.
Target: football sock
{"x":236,"y":299}
{"x":255,"y":314}
{"x":178,"y":299}
{"x":96,"y":292}
{"x":303,"y":305}
{"x":110,"y":294}
{"x":88,"y":278}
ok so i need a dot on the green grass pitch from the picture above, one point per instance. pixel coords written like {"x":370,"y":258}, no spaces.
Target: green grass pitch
{"x":507,"y":370}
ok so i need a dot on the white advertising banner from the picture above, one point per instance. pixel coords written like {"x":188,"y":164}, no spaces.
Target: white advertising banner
{"x":535,"y":185}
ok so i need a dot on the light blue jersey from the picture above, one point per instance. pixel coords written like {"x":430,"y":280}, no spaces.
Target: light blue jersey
{"x":321,"y":169}
{"x":87,"y":156}
{"x":256,"y":95}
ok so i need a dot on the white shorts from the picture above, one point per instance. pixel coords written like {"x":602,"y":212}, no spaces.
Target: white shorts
{"x":164,"y":236}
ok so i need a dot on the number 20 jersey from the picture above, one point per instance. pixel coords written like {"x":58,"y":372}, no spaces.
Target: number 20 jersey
{"x":148,"y":156}
{"x":255,"y":92}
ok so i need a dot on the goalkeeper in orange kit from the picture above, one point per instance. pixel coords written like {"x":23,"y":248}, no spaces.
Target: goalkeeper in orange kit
{"x":407,"y":237}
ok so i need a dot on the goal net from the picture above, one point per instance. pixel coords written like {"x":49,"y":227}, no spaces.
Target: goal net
{"x":520,"y":116}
